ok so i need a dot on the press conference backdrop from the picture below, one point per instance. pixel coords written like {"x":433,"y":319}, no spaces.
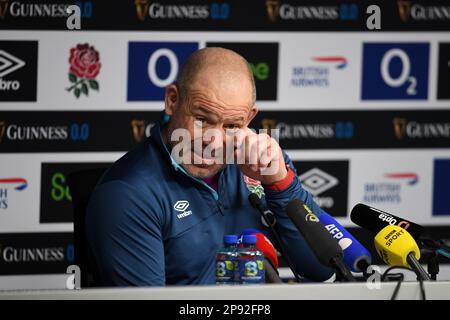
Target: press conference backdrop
{"x":364,"y":114}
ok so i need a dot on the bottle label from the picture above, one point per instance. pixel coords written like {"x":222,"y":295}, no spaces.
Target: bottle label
{"x":251,"y":271}
{"x":224,"y":271}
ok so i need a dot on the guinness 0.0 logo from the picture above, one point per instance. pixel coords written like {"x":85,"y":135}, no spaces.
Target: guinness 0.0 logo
{"x":138,"y":128}
{"x":268,"y":124}
{"x":2,"y":130}
{"x":399,"y":127}
{"x":273,"y":7}
{"x":404,"y":8}
{"x":4,"y":4}
{"x":141,"y":9}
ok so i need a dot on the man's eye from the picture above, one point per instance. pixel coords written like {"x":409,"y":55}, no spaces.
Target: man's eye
{"x":201,"y":120}
{"x":231,"y":126}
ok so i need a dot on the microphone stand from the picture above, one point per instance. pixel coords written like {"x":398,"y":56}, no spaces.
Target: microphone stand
{"x":342,"y":272}
{"x":416,"y":267}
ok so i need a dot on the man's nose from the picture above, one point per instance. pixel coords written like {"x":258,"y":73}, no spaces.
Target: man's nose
{"x":214,"y":138}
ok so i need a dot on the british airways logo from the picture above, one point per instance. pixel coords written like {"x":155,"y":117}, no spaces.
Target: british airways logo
{"x":391,"y":189}
{"x":182,"y":206}
{"x":321,"y":73}
{"x":19,"y":183}
{"x":410,"y":177}
{"x":341,"y":62}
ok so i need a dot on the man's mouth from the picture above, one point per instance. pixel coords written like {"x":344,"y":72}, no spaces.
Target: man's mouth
{"x":202,"y":166}
{"x":201,"y":161}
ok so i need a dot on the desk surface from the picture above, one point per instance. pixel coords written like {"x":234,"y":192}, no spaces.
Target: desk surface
{"x":322,"y":291}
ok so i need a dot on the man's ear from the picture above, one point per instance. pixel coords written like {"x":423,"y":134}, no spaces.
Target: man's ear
{"x":171,"y":99}
{"x":253,"y":114}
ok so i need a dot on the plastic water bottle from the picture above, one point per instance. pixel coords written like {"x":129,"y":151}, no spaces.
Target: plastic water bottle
{"x":250,"y":262}
{"x":226,"y":261}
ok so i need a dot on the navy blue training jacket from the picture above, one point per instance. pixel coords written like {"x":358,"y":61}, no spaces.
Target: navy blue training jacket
{"x":149,"y":223}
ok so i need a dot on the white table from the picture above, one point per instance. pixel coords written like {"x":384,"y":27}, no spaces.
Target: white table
{"x":323,"y":291}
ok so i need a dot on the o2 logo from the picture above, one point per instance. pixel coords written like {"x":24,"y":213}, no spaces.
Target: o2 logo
{"x":154,"y":65}
{"x":405,"y":73}
{"x":395,"y":71}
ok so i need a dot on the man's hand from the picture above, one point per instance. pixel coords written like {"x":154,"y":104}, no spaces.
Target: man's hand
{"x":259,"y":157}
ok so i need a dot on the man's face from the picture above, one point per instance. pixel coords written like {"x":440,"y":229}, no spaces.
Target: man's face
{"x":210,"y":105}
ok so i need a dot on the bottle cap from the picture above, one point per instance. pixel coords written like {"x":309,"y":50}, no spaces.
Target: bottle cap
{"x":249,"y":239}
{"x":230,"y":239}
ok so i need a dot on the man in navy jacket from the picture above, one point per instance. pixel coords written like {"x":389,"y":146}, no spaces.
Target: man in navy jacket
{"x":159,"y":214}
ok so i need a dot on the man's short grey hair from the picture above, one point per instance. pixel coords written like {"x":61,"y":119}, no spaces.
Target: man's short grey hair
{"x":197,"y":61}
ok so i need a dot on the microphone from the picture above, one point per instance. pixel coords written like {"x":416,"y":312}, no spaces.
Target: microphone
{"x":356,"y":256}
{"x":397,"y":248}
{"x":325,"y":248}
{"x":269,"y":218}
{"x":374,"y":220}
{"x":270,"y":255}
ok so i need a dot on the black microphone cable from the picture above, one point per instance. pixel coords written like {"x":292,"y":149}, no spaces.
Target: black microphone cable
{"x":400,"y":280}
{"x":270,"y":220}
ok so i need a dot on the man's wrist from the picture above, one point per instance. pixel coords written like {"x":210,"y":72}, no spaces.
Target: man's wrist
{"x":284,"y":183}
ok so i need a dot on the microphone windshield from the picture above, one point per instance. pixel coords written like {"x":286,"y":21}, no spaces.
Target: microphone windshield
{"x":374,"y":220}
{"x":394,"y":244}
{"x":321,"y":242}
{"x":356,"y":256}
